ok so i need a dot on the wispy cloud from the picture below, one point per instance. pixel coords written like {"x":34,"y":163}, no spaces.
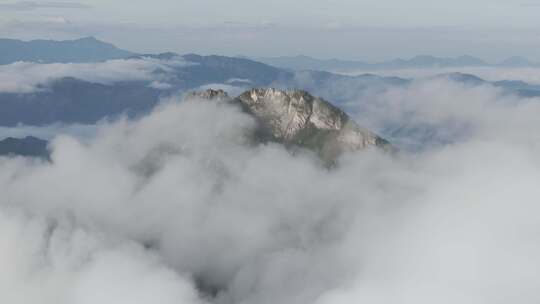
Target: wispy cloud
{"x":32,"y":5}
{"x":26,"y":77}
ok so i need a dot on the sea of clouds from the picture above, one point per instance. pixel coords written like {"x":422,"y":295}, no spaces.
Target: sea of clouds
{"x":180,"y":206}
{"x":29,"y":77}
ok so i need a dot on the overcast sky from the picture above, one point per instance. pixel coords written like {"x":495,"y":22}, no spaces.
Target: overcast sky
{"x":354,"y":29}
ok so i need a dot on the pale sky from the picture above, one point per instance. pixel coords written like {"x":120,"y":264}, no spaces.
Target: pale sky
{"x":353,"y":29}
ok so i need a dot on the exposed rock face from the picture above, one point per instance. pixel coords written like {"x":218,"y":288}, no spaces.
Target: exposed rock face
{"x":296,"y":118}
{"x":209,"y":94}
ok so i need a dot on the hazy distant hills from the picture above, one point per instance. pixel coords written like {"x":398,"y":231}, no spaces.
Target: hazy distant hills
{"x":74,"y":100}
{"x":48,"y":51}
{"x":28,"y":146}
{"x":71,"y":100}
{"x":204,"y":70}
{"x":293,"y":118}
{"x":90,"y":49}
{"x":423,"y":61}
{"x":517,"y":61}
{"x":79,"y":100}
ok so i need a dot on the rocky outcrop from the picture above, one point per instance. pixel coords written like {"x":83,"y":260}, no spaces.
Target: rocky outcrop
{"x":296,"y":118}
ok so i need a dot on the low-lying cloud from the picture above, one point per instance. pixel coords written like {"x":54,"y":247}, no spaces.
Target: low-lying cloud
{"x":180,"y":207}
{"x":435,"y":112}
{"x":27,"y":77}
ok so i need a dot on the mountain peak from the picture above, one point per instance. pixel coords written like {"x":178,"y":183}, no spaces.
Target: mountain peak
{"x":297,"y":118}
{"x":88,"y":38}
{"x":209,"y":94}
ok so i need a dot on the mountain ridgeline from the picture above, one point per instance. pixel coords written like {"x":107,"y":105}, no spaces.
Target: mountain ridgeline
{"x":81,"y":50}
{"x":90,"y":49}
{"x":298,"y":119}
{"x":72,"y":99}
{"x":303,"y":62}
{"x":293,"y":118}
{"x":29,"y":146}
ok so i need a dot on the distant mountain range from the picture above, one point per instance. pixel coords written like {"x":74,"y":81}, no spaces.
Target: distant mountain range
{"x":293,"y":118}
{"x":72,"y":100}
{"x":90,"y":49}
{"x":48,"y":51}
{"x":28,"y":146}
{"x":423,"y":61}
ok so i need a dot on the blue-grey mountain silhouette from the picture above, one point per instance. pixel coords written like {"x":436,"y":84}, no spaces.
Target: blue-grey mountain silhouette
{"x":49,"y":51}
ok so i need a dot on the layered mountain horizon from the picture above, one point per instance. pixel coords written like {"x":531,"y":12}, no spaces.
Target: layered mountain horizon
{"x":83,"y":50}
{"x":303,"y":62}
{"x":28,"y":146}
{"x":92,"y":93}
{"x":91,"y":49}
{"x":267,"y":152}
{"x":40,"y":94}
{"x":289,"y":117}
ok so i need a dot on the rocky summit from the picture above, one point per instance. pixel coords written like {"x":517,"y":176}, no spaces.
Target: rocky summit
{"x":296,"y":118}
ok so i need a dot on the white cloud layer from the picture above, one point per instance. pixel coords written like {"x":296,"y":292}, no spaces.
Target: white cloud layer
{"x":25,"y":77}
{"x":434,"y":111}
{"x":149,"y":209}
